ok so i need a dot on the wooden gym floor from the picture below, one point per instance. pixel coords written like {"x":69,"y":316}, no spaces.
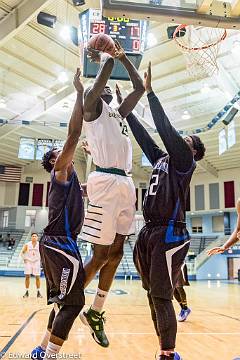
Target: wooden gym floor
{"x":212,"y":331}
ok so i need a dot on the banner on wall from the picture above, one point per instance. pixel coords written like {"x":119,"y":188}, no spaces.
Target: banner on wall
{"x":222,"y":141}
{"x":231,"y":134}
{"x":59,"y":144}
{"x":26,"y":148}
{"x":43,"y":146}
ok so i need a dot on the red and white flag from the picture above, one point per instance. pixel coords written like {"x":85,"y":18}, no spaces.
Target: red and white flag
{"x":10,"y":173}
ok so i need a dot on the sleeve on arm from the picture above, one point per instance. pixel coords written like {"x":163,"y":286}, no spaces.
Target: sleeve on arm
{"x":176,"y":146}
{"x":144,"y":140}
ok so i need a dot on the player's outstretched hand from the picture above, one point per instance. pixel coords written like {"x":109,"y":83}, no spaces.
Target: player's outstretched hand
{"x":148,"y":79}
{"x":94,"y":55}
{"x":216,"y":250}
{"x":119,"y":51}
{"x":85,"y":147}
{"x":119,"y":95}
{"x":77,"y":82}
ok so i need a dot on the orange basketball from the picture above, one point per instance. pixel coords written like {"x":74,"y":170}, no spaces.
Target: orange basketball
{"x":102,"y":42}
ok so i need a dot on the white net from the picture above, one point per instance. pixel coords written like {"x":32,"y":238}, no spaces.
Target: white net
{"x":200,"y":46}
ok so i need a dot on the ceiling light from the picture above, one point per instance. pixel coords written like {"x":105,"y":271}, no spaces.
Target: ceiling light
{"x":3,"y":104}
{"x":63,"y":77}
{"x":65,"y":33}
{"x":236,"y":47}
{"x":46,"y":19}
{"x":151,"y":40}
{"x":78,"y":2}
{"x":186,"y":115}
{"x":205,"y":89}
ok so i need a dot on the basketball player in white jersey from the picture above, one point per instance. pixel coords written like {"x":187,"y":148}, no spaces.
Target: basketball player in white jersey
{"x":110,"y":191}
{"x":31,"y":257}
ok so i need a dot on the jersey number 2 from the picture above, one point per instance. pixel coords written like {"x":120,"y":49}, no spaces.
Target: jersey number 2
{"x":125,"y":130}
{"x":153,"y":191}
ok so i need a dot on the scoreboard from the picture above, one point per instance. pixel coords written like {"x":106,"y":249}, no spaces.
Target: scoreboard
{"x":131,"y":34}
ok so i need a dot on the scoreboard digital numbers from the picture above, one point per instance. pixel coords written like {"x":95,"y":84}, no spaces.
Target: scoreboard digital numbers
{"x":127,"y":32}
{"x":131,"y":34}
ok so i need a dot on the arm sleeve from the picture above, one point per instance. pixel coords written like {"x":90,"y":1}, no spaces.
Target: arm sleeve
{"x":176,"y":146}
{"x":144,"y":140}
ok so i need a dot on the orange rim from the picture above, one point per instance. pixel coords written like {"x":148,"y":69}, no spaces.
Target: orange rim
{"x":180,"y":27}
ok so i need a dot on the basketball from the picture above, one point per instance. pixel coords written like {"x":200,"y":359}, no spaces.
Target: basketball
{"x":102,"y":42}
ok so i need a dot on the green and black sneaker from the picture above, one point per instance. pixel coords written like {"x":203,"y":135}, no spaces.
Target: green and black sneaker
{"x":95,"y":322}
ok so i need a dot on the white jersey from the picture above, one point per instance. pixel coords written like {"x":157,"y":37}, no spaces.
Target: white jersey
{"x":108,"y":140}
{"x":32,"y":254}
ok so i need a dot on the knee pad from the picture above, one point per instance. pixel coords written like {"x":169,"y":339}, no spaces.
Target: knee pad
{"x":64,"y":320}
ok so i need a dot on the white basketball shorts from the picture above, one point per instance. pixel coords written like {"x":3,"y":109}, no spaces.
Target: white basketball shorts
{"x":32,"y":268}
{"x":111,"y":208}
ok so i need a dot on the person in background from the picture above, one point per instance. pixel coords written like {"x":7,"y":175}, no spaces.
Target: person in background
{"x":11,"y":244}
{"x":180,"y":294}
{"x":31,"y":257}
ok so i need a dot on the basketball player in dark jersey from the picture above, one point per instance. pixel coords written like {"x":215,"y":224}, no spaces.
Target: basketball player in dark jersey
{"x":60,"y":256}
{"x":163,"y":242}
{"x":180,"y":294}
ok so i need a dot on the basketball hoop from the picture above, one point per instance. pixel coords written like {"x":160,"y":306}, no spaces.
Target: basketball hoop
{"x":200,"y":46}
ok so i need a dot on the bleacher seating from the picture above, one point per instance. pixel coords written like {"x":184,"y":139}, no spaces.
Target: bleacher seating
{"x":12,"y":260}
{"x":199,"y":243}
{"x":15,"y":262}
{"x":5,"y":253}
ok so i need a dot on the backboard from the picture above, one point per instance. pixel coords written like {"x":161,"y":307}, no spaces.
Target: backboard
{"x":211,"y":13}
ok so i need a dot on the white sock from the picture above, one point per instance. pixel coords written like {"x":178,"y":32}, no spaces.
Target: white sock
{"x":51,"y":350}
{"x":99,"y":300}
{"x":45,"y":340}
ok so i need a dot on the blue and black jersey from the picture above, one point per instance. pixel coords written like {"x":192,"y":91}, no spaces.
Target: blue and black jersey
{"x":172,"y":170}
{"x":66,"y":209}
{"x":163,"y":243}
{"x":60,"y":255}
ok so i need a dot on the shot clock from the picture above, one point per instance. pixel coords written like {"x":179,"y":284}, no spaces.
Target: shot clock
{"x":131,"y":34}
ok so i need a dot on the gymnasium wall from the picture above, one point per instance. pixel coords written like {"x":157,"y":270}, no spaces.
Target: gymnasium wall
{"x":215,"y":268}
{"x":9,"y":196}
{"x":205,"y":179}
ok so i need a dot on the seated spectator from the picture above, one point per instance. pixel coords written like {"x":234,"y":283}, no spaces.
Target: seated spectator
{"x":11,"y":244}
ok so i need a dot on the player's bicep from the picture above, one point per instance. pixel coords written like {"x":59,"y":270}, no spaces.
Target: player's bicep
{"x":24,"y":249}
{"x":66,"y":156}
